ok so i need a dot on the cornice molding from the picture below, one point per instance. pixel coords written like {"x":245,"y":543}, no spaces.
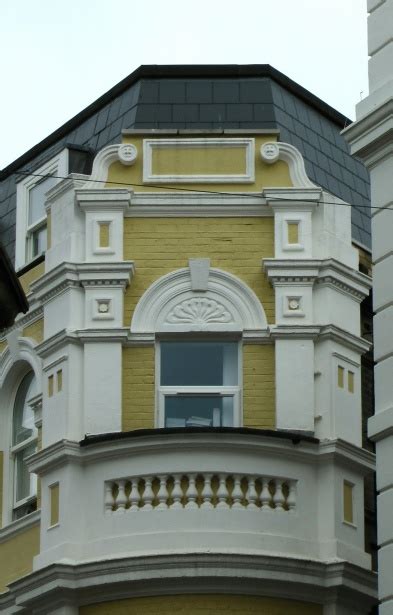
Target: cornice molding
{"x":353,"y":342}
{"x":329,"y":272}
{"x":244,"y":572}
{"x":94,"y":199}
{"x":77,"y":275}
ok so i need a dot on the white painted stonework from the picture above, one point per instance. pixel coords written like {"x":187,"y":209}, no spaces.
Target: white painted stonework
{"x":370,"y":138}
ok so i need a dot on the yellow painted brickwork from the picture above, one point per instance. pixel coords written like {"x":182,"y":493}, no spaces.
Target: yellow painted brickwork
{"x":206,"y":604}
{"x":199,"y":161}
{"x":161,"y":245}
{"x":16,"y":555}
{"x":265,"y":175}
{"x":258,"y":386}
{"x":35,"y":331}
{"x":3,"y":346}
{"x":138,"y":388}
{"x":31,"y":276}
{"x":1,"y":488}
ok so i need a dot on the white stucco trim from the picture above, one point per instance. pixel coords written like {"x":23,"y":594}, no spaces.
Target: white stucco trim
{"x":277,"y":150}
{"x":238,"y":308}
{"x":126,"y":153}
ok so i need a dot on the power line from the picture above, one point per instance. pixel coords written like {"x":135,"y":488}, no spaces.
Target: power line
{"x":180,"y":189}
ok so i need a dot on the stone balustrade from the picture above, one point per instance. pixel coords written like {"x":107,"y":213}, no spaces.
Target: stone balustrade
{"x":195,"y":490}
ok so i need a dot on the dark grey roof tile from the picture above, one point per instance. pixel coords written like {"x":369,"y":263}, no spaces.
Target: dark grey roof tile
{"x":114,"y":110}
{"x":185,"y":113}
{"x":213,"y":113}
{"x":255,"y":91}
{"x":241,"y":112}
{"x":149,"y":91}
{"x":102,"y":119}
{"x":199,"y":91}
{"x":103,"y":138}
{"x":172,"y":91}
{"x":263,"y":113}
{"x":129,"y":118}
{"x":226,"y":91}
{"x":129,"y":99}
{"x":154,"y":114}
{"x":115,"y":132}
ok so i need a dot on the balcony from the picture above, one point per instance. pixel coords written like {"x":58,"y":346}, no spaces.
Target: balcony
{"x":200,"y":490}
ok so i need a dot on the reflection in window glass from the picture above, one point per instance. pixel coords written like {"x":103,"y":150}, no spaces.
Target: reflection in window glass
{"x":23,"y":424}
{"x":37,"y":199}
{"x":23,"y":445}
{"x":199,"y":364}
{"x":199,"y":411}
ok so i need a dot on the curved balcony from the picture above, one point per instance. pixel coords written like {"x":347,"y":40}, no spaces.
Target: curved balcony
{"x":201,"y":490}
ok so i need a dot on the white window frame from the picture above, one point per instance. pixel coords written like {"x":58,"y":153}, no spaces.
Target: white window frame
{"x":17,"y":448}
{"x":219,"y":391}
{"x":58,"y":165}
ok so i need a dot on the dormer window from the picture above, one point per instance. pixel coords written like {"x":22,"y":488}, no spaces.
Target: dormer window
{"x":31,"y":221}
{"x":36,"y":230}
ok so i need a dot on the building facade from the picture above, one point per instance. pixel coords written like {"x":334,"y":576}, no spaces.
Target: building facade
{"x":181,"y":423}
{"x":371,"y":140}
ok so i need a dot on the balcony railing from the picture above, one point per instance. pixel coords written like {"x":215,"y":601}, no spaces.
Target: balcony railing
{"x":220,"y":489}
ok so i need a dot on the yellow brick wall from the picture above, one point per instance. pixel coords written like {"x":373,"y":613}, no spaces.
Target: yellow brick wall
{"x":16,"y":555}
{"x":3,"y":346}
{"x":138,"y":388}
{"x":258,"y":386}
{"x":206,"y":604}
{"x":236,"y":245}
{"x":161,"y":245}
{"x":35,"y":331}
{"x":30,"y":276}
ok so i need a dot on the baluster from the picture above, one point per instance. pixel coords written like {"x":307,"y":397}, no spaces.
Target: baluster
{"x":265,"y":496}
{"x":291,"y":499}
{"x":121,"y":499}
{"x":237,"y":493}
{"x":207,"y":492}
{"x":148,"y":494}
{"x":177,"y":492}
{"x":222,"y":492}
{"x":134,"y":495}
{"x":279,"y":498}
{"x":109,"y":499}
{"x":162,"y":494}
{"x":192,"y":492}
{"x":252,"y":495}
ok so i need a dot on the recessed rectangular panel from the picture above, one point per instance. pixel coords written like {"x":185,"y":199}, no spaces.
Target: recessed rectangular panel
{"x":198,"y":160}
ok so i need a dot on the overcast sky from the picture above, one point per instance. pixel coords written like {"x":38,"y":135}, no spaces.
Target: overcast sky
{"x":57,"y":57}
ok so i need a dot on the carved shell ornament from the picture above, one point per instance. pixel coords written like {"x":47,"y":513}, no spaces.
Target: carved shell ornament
{"x":199,"y":311}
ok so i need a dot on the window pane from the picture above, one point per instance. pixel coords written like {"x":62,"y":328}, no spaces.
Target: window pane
{"x":23,"y":418}
{"x":24,"y":481}
{"x":37,"y":199}
{"x":199,"y":363}
{"x":39,"y":241}
{"x":199,"y":411}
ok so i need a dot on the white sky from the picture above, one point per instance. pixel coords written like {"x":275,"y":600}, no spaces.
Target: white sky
{"x":57,"y":57}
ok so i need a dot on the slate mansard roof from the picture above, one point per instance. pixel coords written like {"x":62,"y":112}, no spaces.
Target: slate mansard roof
{"x":209,"y":97}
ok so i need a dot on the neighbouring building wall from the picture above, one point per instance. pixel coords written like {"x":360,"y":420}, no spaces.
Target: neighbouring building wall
{"x":370,"y":138}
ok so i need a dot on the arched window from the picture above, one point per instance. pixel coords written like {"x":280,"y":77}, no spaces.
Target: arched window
{"x":24,"y":443}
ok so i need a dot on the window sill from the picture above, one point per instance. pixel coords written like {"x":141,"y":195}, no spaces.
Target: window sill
{"x":31,"y":264}
{"x":20,"y":525}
